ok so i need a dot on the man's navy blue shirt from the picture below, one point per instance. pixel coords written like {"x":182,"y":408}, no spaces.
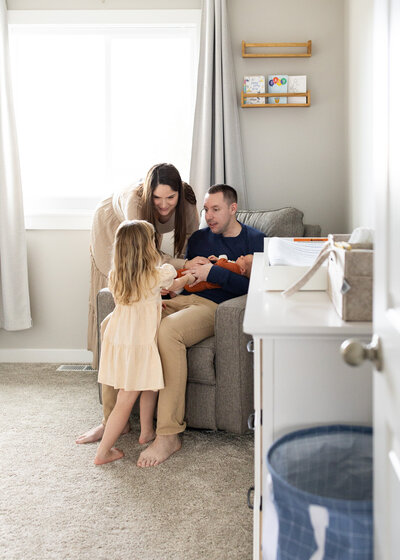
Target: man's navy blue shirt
{"x":204,"y":243}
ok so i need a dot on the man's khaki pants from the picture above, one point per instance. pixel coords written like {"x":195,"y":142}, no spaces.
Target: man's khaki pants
{"x":186,"y":321}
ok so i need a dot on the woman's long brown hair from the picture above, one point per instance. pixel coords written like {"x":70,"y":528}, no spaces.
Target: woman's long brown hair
{"x":135,"y":258}
{"x":167,"y":174}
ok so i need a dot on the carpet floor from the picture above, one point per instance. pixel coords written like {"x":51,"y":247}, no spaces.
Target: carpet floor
{"x":55,"y":504}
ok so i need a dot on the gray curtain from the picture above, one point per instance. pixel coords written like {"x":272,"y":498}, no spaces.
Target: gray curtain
{"x":14,"y":295}
{"x":217,"y":148}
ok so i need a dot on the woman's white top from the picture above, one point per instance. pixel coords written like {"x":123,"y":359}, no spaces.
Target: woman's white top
{"x":167,"y":243}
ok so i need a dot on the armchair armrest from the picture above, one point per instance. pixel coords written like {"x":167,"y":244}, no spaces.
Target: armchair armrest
{"x":233,"y":367}
{"x":105,"y":304}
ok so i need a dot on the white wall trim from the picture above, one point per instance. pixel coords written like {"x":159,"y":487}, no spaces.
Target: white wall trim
{"x":45,"y":355}
{"x":59,"y":220}
{"x":182,"y":18}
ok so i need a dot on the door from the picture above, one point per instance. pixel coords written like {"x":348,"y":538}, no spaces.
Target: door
{"x":386,"y":78}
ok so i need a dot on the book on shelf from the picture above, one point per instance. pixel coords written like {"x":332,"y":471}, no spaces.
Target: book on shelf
{"x":297,"y":84}
{"x":254,"y":84}
{"x":277,"y":83}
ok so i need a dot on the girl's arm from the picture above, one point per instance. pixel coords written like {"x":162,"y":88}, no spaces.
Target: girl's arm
{"x":180,"y":283}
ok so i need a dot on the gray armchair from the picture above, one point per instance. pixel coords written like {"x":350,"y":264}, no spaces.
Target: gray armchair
{"x":219,"y":394}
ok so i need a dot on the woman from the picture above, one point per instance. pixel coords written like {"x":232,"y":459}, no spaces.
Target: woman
{"x":164,"y":201}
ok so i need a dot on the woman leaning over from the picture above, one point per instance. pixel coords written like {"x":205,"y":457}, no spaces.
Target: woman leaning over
{"x":167,"y":203}
{"x":164,"y":201}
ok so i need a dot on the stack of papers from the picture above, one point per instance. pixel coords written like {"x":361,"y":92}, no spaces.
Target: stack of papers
{"x":284,"y":251}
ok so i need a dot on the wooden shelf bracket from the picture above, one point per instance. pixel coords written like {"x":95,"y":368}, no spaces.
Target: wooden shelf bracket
{"x":305,"y":94}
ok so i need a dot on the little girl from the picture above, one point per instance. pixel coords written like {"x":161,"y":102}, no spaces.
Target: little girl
{"x":129,"y":359}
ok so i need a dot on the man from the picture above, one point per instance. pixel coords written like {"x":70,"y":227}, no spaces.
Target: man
{"x":189,"y":318}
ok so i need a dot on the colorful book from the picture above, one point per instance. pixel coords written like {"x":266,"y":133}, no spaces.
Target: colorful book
{"x":254,"y":84}
{"x":277,"y":83}
{"x":297,"y":84}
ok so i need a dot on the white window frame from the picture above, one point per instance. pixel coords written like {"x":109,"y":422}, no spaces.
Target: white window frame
{"x":81,"y":220}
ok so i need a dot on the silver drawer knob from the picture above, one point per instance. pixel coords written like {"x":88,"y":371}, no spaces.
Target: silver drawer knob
{"x":250,"y":346}
{"x":354,"y":352}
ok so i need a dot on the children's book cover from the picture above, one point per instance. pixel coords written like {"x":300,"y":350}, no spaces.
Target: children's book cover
{"x":277,"y":83}
{"x":297,"y":84}
{"x":254,"y":84}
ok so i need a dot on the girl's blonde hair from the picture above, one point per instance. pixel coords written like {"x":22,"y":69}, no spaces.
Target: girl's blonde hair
{"x":135,"y":258}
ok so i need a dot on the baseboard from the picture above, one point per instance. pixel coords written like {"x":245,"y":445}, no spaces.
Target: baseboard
{"x":45,"y":355}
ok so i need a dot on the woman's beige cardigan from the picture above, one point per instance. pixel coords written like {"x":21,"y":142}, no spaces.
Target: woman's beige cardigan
{"x":109,"y":214}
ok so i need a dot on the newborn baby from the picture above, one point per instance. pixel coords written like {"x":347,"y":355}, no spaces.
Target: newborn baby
{"x":242,"y":266}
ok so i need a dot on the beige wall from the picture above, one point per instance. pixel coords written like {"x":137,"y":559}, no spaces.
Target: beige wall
{"x":292,"y":156}
{"x":58,"y":268}
{"x":359,"y":71}
{"x":296,"y":156}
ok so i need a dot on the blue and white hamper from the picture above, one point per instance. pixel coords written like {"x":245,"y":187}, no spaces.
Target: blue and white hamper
{"x":320,"y":503}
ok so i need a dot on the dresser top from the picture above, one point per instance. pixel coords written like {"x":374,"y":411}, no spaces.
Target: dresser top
{"x":304,"y":313}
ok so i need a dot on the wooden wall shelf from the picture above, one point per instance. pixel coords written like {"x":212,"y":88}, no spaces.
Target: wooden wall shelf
{"x":276,"y":54}
{"x":304,"y":94}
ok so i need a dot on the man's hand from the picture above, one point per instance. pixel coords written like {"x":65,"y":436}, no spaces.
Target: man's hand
{"x":196,"y":260}
{"x":200,"y":271}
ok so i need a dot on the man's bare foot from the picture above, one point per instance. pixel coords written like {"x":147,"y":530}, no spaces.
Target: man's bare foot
{"x":159,"y":451}
{"x":113,"y":455}
{"x":95,"y":434}
{"x":146,"y":436}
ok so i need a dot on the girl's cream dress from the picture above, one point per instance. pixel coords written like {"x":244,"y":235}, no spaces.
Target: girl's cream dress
{"x":129,"y":355}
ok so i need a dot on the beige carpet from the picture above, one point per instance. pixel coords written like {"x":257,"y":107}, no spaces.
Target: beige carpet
{"x":55,"y":504}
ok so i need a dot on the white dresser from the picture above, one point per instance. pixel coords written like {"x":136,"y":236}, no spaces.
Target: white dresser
{"x":300,"y":378}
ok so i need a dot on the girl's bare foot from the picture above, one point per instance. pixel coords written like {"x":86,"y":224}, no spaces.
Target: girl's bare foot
{"x":146,"y":436}
{"x":159,"y":451}
{"x":113,"y":455}
{"x":95,"y":434}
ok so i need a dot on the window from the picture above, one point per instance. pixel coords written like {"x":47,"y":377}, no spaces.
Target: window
{"x":99,"y":98}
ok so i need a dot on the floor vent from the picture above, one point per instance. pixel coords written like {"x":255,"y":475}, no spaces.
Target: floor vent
{"x":79,"y":367}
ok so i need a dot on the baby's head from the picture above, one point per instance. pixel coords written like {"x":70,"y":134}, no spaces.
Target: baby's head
{"x":245,"y":262}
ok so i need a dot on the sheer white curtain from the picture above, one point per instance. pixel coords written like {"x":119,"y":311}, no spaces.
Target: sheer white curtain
{"x":217,"y":148}
{"x":14,"y":295}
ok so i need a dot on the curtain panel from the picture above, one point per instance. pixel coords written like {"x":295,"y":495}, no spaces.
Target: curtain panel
{"x":217,"y":147}
{"x":14,"y":293}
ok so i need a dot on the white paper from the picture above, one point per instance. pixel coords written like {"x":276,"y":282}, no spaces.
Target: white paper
{"x":284,"y":251}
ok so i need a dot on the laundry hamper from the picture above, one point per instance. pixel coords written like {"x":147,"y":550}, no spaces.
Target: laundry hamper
{"x":322,"y":493}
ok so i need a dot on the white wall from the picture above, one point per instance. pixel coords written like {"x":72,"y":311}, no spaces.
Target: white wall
{"x":293,"y":156}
